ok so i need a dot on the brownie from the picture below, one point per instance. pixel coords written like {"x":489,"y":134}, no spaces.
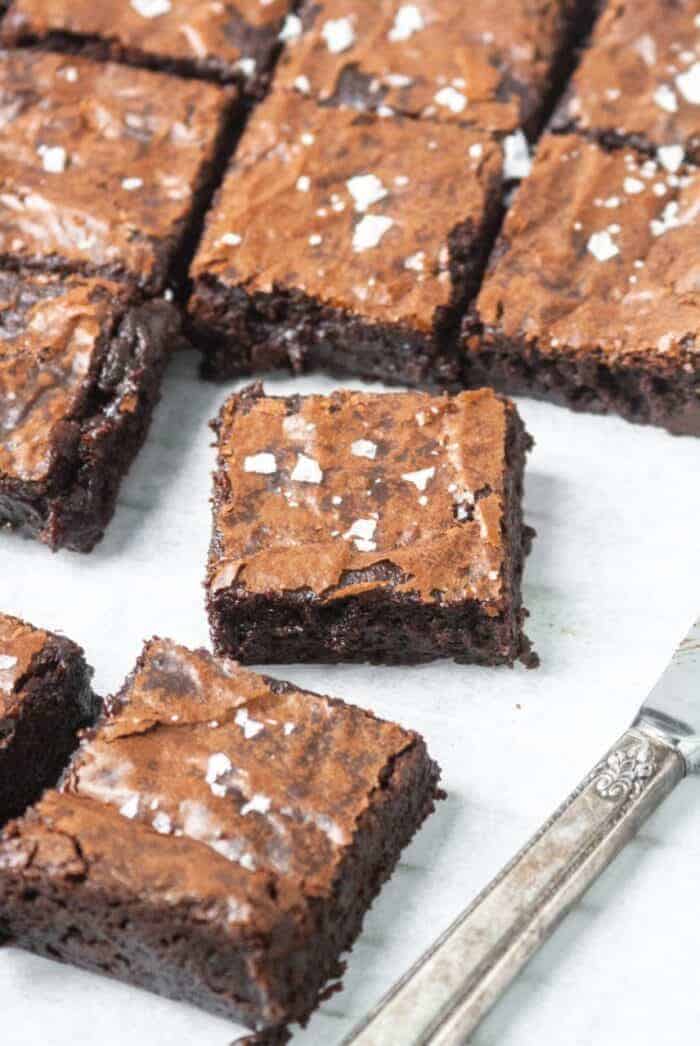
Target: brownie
{"x":491,"y":65}
{"x":226,"y":42}
{"x":217,"y":839}
{"x":592,"y":298}
{"x":45,"y":698}
{"x":80,"y":372}
{"x":368,"y":527}
{"x":344,"y":242}
{"x":638,"y":84}
{"x":103,"y":169}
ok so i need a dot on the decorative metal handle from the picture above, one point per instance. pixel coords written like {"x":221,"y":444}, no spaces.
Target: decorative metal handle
{"x":442,"y":999}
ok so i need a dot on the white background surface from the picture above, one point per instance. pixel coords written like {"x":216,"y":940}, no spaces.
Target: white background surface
{"x":612,"y":584}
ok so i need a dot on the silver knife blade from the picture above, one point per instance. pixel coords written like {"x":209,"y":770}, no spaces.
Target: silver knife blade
{"x":672,"y":709}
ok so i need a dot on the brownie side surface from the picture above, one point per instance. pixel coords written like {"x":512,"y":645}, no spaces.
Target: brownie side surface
{"x":241,"y":900}
{"x":45,"y":698}
{"x":330,"y":244}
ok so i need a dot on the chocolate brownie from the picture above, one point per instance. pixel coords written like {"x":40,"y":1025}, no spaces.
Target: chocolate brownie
{"x":345,"y":242}
{"x":103,"y":169}
{"x":217,"y":839}
{"x":593,"y":294}
{"x":491,"y":65}
{"x":639,"y":81}
{"x":229,"y":42}
{"x":80,"y":372}
{"x":368,"y":527}
{"x":45,"y":698}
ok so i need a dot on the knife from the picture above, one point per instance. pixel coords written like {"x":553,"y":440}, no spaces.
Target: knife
{"x":442,"y":999}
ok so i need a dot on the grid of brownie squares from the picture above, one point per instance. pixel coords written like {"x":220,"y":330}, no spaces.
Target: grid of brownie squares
{"x":592,"y":298}
{"x":368,"y":527}
{"x":218,"y":837}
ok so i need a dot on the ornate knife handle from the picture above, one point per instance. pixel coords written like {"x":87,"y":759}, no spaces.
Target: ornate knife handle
{"x":442,"y":999}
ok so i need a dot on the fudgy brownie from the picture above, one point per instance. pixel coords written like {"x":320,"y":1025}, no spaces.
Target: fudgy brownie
{"x":346,"y":242}
{"x":592,"y":298}
{"x":221,"y":41}
{"x":218,"y":838}
{"x":80,"y":372}
{"x":45,"y":698}
{"x":368,"y":527}
{"x":491,"y":65}
{"x":103,"y":169}
{"x":639,"y":81}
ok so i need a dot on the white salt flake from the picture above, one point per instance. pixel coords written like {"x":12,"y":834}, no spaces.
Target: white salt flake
{"x":162,"y":823}
{"x":247,"y":861}
{"x":476,"y":151}
{"x":645,"y":47}
{"x":415,"y":262}
{"x":247,"y":66}
{"x":420,"y":478}
{"x":218,"y":766}
{"x":362,"y":532}
{"x":289,"y":728}
{"x":665,"y":98}
{"x":398,"y":80}
{"x":369,"y":231}
{"x":151,"y":8}
{"x":263,"y":463}
{"x":632,"y":186}
{"x":669,"y":219}
{"x":7,"y":662}
{"x":259,"y":804}
{"x":602,"y":246}
{"x":291,"y":30}
{"x":71,"y":74}
{"x":338,"y":34}
{"x":54,"y":158}
{"x":315,"y":240}
{"x":670,"y":157}
{"x":303,"y":183}
{"x":231,"y":239}
{"x":688,"y":83}
{"x":364,"y":448}
{"x":132,"y":184}
{"x":365,"y":190}
{"x":451,"y":99}
{"x":130,"y":808}
{"x":303,"y":85}
{"x":307,"y":470}
{"x":517,"y":162}
{"x":250,"y":727}
{"x":408,"y":21}
{"x":337,"y":499}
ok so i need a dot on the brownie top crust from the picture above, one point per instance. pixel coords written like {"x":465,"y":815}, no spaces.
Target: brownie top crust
{"x":639,"y":80}
{"x":356,"y":213}
{"x":601,"y":250}
{"x":344,"y":494}
{"x":229,"y":37}
{"x":484,"y":64}
{"x":231,"y":773}
{"x":99,"y":163}
{"x":19,"y":645}
{"x":52,"y":333}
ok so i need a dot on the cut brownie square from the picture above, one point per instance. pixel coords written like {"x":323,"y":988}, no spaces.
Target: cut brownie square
{"x":593,"y":294}
{"x":639,"y":81}
{"x":220,"y":41}
{"x":368,"y":527}
{"x":103,"y":169}
{"x":45,"y":698}
{"x":344,"y":242}
{"x":80,"y":373}
{"x":217,"y":839}
{"x":491,"y":65}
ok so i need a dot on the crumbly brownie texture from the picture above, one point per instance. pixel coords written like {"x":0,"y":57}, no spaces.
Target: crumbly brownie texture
{"x":360,"y":527}
{"x":45,"y":698}
{"x":639,"y":81}
{"x":220,"y":41}
{"x":80,"y":373}
{"x":103,"y":169}
{"x":593,"y":295}
{"x":217,"y":839}
{"x":345,"y":242}
{"x":491,"y":65}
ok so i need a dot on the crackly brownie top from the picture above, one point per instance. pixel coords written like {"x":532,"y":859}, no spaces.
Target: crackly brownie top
{"x":486,"y":64}
{"x":640,"y":76}
{"x":98,"y":162}
{"x":600,"y":250}
{"x":354,"y":212}
{"x":205,"y":774}
{"x":19,"y":645}
{"x":52,"y":333}
{"x":344,"y":494}
{"x":232,"y":37}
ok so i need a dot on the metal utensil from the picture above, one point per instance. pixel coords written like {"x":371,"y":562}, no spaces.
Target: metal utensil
{"x":445,"y":995}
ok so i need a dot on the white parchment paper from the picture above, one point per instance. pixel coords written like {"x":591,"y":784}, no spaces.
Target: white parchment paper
{"x":612,"y":584}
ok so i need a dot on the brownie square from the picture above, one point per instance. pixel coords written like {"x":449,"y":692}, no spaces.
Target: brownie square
{"x":592,"y":298}
{"x":219,"y":41}
{"x":103,"y":169}
{"x":344,"y":242}
{"x":368,"y":527}
{"x":490,"y":65}
{"x":80,"y":373}
{"x":638,"y":83}
{"x":217,"y":839}
{"x":45,"y":698}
